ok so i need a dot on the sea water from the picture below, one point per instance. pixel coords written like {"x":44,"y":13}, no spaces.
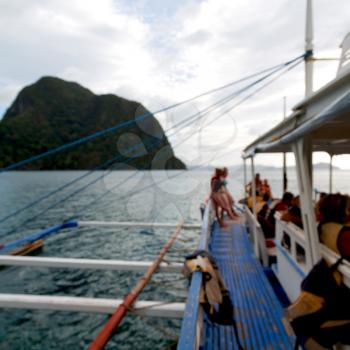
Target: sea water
{"x":153,"y":196}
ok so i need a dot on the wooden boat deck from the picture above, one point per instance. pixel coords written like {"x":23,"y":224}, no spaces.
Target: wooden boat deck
{"x":257,"y":310}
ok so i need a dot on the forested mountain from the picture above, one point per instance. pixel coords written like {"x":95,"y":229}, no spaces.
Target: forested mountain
{"x":52,"y":112}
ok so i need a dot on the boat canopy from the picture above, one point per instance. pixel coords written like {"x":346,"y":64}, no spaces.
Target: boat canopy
{"x":324,"y":116}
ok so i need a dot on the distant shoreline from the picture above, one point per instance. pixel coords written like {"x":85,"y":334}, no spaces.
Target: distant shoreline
{"x":258,"y":167}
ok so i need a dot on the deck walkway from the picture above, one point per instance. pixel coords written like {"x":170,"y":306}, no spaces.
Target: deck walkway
{"x":257,"y":310}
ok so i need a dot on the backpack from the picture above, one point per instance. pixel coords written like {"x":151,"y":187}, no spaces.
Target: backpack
{"x":320,"y":317}
{"x":215,"y":297}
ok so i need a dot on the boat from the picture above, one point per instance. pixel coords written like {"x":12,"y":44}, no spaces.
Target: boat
{"x":318,"y":123}
{"x":29,"y":248}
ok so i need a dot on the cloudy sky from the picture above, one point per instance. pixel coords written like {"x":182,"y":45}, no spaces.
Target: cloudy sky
{"x":160,"y":52}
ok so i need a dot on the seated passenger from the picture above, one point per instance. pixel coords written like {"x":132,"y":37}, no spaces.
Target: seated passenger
{"x":333,"y":213}
{"x":258,"y":185}
{"x":320,"y":316}
{"x":265,"y":188}
{"x":293,"y":214}
{"x":250,"y":199}
{"x":268,"y":223}
{"x":285,"y":202}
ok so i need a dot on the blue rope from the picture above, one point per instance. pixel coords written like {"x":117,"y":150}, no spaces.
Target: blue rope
{"x":74,"y":223}
{"x":233,"y":95}
{"x":154,"y":143}
{"x":130,"y":122}
{"x":77,"y":214}
{"x":104,"y":165}
{"x":40,"y":199}
{"x":263,"y":86}
{"x":113,"y":160}
{"x":139,"y":190}
{"x":224,"y":100}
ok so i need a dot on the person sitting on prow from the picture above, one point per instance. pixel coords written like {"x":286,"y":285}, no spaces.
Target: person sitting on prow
{"x":228,"y":194}
{"x":219,"y":196}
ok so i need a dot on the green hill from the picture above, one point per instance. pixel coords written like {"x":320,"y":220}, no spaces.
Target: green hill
{"x":52,"y":112}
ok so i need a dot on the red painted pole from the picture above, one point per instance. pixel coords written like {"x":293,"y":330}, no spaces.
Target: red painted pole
{"x":112,"y":324}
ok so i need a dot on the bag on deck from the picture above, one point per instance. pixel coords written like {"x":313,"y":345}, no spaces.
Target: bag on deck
{"x":215,"y":298}
{"x":320,"y":316}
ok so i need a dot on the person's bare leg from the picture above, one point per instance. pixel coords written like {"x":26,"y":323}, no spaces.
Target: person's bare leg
{"x":227,"y":206}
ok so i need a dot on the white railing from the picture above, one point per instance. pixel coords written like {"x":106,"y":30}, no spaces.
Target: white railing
{"x":191,"y":329}
{"x":98,"y":264}
{"x":291,"y":262}
{"x":257,"y":237}
{"x":95,"y":305}
{"x":292,"y":257}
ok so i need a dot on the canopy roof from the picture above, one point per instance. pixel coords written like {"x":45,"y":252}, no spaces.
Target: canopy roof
{"x":324,"y":116}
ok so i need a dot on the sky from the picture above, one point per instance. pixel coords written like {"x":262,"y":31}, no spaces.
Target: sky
{"x":162,"y":52}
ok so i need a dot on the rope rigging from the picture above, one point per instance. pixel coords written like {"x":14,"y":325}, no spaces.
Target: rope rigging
{"x":108,"y":163}
{"x":184,"y":123}
{"x":186,"y":120}
{"x":199,"y":166}
{"x":106,"y":131}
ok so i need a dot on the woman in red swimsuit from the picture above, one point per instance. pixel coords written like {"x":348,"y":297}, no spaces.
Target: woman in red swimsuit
{"x":222,"y":202}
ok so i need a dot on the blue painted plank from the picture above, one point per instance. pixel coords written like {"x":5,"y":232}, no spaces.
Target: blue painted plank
{"x":257,"y":310}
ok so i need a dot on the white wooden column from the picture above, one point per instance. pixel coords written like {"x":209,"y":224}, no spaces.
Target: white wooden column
{"x":303,"y":154}
{"x":309,"y":46}
{"x":255,"y":233}
{"x":331,"y":174}
{"x":245,"y":178}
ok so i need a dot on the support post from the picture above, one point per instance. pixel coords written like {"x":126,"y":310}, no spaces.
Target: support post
{"x":285,"y":179}
{"x":309,"y":46}
{"x":255,"y":232}
{"x":331,"y":174}
{"x":302,"y":150}
{"x":245,"y":178}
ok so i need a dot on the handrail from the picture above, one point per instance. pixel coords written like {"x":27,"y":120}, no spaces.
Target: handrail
{"x":257,"y":233}
{"x":192,"y":320}
{"x":297,"y":236}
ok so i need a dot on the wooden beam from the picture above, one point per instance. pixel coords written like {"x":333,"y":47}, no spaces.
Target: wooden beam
{"x":65,"y":303}
{"x":135,"y":224}
{"x":100,"y":264}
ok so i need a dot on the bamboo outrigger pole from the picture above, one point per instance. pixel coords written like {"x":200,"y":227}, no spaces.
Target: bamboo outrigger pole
{"x":109,"y":329}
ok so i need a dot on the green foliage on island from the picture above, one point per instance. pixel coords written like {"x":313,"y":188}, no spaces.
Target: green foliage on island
{"x":52,"y":112}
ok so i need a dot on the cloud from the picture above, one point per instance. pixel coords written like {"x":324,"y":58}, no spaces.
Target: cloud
{"x":160,"y":52}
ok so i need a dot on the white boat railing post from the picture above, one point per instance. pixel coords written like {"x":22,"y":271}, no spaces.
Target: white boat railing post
{"x":284,"y":157}
{"x":192,"y":323}
{"x":331,"y":174}
{"x":309,"y":46}
{"x":253,"y":224}
{"x":302,"y":151}
{"x":245,"y":178}
{"x":255,"y":233}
